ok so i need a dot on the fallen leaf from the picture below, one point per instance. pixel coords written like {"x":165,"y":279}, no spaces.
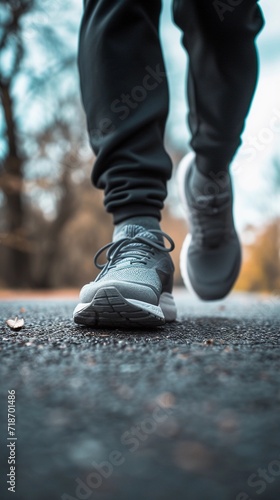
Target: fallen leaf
{"x":209,"y":342}
{"x":15,"y":324}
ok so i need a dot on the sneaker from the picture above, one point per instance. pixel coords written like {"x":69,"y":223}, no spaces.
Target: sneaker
{"x":211,"y":255}
{"x":134,"y":288}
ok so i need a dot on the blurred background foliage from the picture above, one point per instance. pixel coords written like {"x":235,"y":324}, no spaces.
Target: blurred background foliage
{"x":52,"y":219}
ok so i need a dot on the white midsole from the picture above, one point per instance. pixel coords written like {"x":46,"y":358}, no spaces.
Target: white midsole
{"x":168,"y":306}
{"x":182,"y":170}
{"x":145,"y":306}
{"x":80,"y":307}
{"x":184,"y":266}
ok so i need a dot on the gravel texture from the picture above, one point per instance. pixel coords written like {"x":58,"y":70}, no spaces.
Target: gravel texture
{"x":188,"y":411}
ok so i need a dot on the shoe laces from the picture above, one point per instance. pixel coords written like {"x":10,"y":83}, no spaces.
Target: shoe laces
{"x":136,"y":250}
{"x":210,"y":216}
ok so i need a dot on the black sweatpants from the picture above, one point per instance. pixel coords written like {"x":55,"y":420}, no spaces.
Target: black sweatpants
{"x":125,"y":91}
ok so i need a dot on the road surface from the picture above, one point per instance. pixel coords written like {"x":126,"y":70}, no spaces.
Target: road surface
{"x":189,"y":411}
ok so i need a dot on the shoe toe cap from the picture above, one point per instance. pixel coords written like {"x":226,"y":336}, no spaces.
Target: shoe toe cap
{"x":213,"y":273}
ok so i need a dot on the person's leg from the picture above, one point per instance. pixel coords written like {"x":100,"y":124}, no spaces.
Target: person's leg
{"x":220,"y":41}
{"x":125,"y":96}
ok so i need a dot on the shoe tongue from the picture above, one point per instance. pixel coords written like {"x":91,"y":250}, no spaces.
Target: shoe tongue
{"x":133,"y":248}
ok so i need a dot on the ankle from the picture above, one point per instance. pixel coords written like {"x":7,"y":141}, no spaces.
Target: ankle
{"x":146,"y":222}
{"x":211,"y":181}
{"x":212,"y":166}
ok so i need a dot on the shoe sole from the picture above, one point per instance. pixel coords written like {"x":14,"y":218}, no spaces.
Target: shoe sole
{"x":182,"y":172}
{"x":110,"y":309}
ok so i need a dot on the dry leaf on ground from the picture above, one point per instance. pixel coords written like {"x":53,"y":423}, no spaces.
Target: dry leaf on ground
{"x":15,"y":324}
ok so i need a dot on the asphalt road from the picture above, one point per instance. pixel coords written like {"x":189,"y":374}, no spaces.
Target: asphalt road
{"x":189,"y":411}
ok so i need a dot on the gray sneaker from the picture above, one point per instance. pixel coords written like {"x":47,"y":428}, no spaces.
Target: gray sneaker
{"x":211,"y":254}
{"x":134,"y":288}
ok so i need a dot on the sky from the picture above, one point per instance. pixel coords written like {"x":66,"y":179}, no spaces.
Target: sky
{"x":252,"y":172}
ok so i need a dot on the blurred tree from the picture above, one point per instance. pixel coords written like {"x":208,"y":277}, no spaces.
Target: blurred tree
{"x":34,"y":53}
{"x":11,"y":49}
{"x":261,"y":263}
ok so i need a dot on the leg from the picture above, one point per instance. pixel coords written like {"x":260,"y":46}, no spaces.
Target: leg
{"x":222,"y":73}
{"x":220,"y":40}
{"x":125,"y":96}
